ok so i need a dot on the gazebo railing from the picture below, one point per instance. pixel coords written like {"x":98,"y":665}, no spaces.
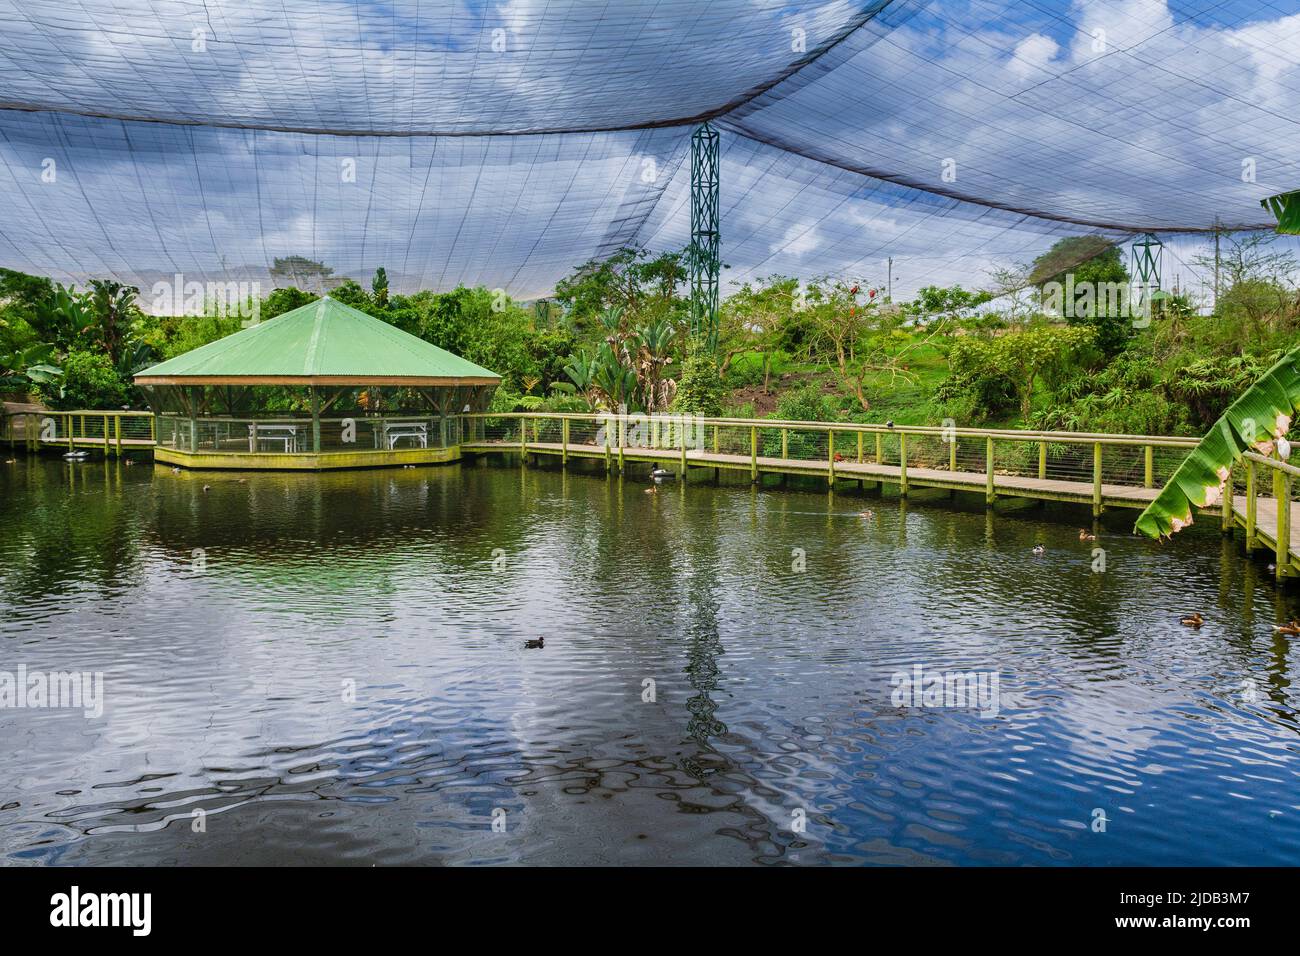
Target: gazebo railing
{"x":296,"y":434}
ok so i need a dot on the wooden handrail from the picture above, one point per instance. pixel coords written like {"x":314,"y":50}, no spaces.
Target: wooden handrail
{"x":1009,"y":434}
{"x":1281,"y":466}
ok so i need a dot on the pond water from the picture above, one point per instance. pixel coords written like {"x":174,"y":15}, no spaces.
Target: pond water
{"x":331,"y":669}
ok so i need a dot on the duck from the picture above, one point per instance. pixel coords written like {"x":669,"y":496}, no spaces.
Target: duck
{"x":1196,"y":619}
{"x":207,"y":488}
{"x":1290,"y":627}
{"x":866,"y":514}
{"x":659,"y":474}
{"x":1039,"y":549}
{"x":10,"y":461}
{"x":1085,"y":536}
{"x":175,"y":470}
{"x":889,"y":424}
{"x":536,"y":643}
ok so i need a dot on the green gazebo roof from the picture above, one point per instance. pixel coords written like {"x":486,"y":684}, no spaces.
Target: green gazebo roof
{"x":322,"y":343}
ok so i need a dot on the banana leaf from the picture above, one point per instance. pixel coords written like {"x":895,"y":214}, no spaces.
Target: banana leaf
{"x":1286,"y":208}
{"x":1256,"y":420}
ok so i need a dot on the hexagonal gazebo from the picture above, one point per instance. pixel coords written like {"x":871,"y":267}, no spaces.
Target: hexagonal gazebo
{"x":323,"y":386}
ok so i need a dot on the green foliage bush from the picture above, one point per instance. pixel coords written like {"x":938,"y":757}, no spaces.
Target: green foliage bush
{"x":700,"y":389}
{"x":89,"y":381}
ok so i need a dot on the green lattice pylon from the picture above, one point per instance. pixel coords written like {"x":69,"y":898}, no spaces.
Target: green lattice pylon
{"x":1146,"y":260}
{"x":705,"y":248}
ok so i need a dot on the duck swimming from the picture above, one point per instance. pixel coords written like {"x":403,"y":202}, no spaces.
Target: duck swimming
{"x":538,"y":643}
{"x":1290,"y":627}
{"x":1192,"y":620}
{"x":866,"y":514}
{"x":1085,"y":536}
{"x":1039,"y":549}
{"x":659,"y":474}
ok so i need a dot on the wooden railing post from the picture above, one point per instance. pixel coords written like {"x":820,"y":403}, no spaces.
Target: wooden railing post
{"x":902,"y":464}
{"x":523,"y":436}
{"x":1096,"y":479}
{"x":1282,"y":496}
{"x":1251,"y":512}
{"x":952,"y":454}
{"x":681,"y":437}
{"x":622,"y":439}
{"x":785,"y":443}
{"x":1042,"y":460}
{"x":830,"y":458}
{"x":716,"y":446}
{"x":880,"y":449}
{"x":990,"y":495}
{"x":1228,"y":501}
{"x":564,"y":442}
{"x":71,"y":422}
{"x":1148,"y":467}
{"x":117,"y":433}
{"x":753,"y":454}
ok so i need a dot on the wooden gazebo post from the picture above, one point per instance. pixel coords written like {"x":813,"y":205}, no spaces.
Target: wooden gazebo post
{"x":315,"y":419}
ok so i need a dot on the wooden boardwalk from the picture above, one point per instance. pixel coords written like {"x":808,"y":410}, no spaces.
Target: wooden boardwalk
{"x":998,"y":485}
{"x":1271,"y":480}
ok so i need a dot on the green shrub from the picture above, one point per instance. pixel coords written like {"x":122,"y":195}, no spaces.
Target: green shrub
{"x":804,"y":404}
{"x":89,"y":381}
{"x":700,"y":389}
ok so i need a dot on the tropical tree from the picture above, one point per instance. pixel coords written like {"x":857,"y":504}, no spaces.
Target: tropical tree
{"x":862,"y":342}
{"x":379,"y":287}
{"x":752,"y":318}
{"x":613,"y":382}
{"x":581,"y":369}
{"x":112,"y":308}
{"x":650,"y":360}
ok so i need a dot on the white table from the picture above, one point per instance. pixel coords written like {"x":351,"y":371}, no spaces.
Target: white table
{"x":285,"y":434}
{"x":396,"y":431}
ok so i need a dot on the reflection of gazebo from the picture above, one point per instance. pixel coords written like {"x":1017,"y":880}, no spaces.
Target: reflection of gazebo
{"x":323,"y":386}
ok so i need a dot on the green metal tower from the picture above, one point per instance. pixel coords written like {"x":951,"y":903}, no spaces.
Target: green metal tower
{"x":1146,"y":261}
{"x":705,"y":243}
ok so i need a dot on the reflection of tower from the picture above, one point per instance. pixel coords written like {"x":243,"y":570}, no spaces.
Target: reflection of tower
{"x":702,"y":670}
{"x":705,"y":250}
{"x":703,"y":649}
